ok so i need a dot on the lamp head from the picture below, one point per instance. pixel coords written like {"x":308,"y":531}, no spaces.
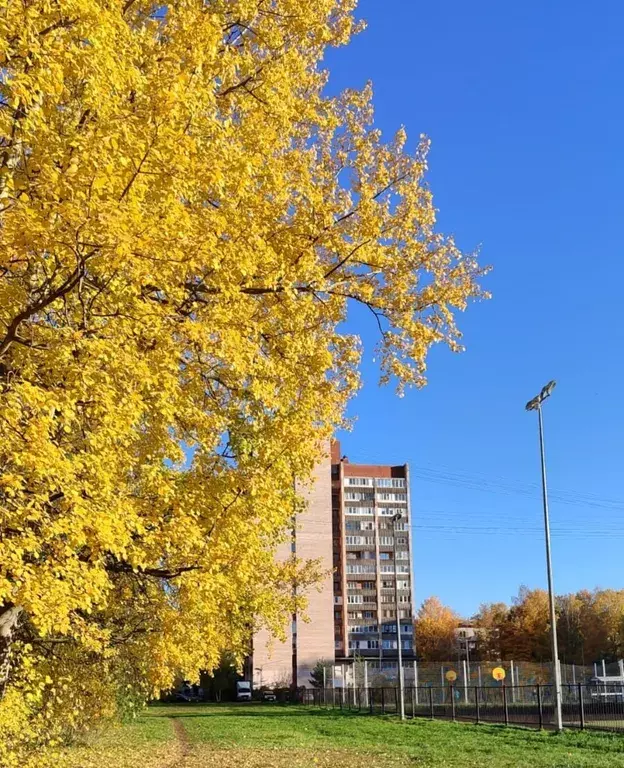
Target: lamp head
{"x":535,"y":403}
{"x":547,"y":391}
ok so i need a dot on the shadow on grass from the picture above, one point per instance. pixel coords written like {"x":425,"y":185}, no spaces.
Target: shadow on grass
{"x":233,"y":710}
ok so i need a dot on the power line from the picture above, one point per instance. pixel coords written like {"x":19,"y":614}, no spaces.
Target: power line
{"x":513,"y":488}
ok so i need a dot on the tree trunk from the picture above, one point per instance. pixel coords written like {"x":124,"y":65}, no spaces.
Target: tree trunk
{"x":9,"y":616}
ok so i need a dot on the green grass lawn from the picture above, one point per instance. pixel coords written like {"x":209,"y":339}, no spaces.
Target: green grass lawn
{"x":254,"y":735}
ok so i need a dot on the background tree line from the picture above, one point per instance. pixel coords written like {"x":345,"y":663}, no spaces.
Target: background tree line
{"x":590,"y":627}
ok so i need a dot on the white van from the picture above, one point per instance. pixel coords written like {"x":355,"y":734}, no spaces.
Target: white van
{"x":243,"y":690}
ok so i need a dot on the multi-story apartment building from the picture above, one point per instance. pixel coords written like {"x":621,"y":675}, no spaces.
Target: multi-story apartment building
{"x":350,"y":524}
{"x":372,"y":561}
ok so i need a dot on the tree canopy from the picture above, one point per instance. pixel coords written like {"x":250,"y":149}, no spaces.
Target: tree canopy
{"x":590,"y":627}
{"x":436,"y":631}
{"x":184,"y":219}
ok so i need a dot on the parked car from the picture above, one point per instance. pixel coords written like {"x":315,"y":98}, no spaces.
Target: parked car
{"x":188,"y":693}
{"x":269,"y":695}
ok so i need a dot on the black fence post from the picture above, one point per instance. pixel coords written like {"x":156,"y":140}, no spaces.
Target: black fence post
{"x":505,"y":704}
{"x":413,"y":702}
{"x":341,"y":697}
{"x":370,"y":695}
{"x":452,"y":689}
{"x":383,"y":701}
{"x":581,"y":705}
{"x":477,"y":691}
{"x":539,"y":706}
{"x":431,"y":702}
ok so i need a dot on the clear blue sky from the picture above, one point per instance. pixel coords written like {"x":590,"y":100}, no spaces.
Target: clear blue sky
{"x":523,"y":104}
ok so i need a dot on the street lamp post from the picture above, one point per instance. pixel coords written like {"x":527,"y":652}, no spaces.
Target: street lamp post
{"x":397,"y":518}
{"x":536,"y":405}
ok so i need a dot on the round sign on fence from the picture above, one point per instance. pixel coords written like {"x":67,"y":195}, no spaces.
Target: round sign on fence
{"x":498,"y":673}
{"x":451,"y":675}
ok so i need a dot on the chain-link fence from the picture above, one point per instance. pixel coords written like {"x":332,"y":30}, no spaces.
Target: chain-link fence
{"x":466,"y":674}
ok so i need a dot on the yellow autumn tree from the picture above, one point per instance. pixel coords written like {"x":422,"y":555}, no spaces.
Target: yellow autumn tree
{"x":435,"y":631}
{"x":184,"y":220}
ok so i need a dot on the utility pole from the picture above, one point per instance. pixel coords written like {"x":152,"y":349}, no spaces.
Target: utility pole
{"x":397,"y":518}
{"x":536,"y":405}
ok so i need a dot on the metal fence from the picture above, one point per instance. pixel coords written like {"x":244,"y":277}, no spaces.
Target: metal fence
{"x":584,"y":706}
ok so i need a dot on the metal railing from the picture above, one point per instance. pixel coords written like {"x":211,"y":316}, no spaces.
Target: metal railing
{"x":584,"y":706}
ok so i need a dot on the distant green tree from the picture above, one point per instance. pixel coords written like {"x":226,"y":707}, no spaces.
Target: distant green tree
{"x":221,"y":682}
{"x":316,"y":676}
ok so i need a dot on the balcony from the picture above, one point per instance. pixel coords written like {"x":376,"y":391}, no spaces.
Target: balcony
{"x":366,"y":593}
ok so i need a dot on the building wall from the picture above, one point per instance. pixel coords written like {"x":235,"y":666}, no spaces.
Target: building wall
{"x":309,"y":640}
{"x":315,"y":638}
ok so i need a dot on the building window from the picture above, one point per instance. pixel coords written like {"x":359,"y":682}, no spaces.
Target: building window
{"x":354,"y":599}
{"x":359,"y":481}
{"x":364,"y":629}
{"x":359,"y":510}
{"x":361,"y":568}
{"x":359,"y":496}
